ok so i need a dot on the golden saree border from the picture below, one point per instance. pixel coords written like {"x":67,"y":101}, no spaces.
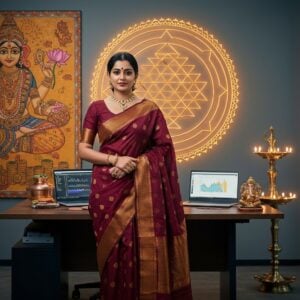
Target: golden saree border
{"x":115,"y":228}
{"x":115,"y":123}
{"x":163,"y":266}
{"x":146,"y":234}
{"x":175,"y":261}
{"x":88,"y":136}
{"x":180,"y":260}
{"x":161,"y":259}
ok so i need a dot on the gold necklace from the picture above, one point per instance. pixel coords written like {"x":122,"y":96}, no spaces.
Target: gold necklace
{"x":123,"y":103}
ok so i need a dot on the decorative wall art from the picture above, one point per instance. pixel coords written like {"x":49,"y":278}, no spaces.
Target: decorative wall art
{"x":187,"y":72}
{"x":40,"y":95}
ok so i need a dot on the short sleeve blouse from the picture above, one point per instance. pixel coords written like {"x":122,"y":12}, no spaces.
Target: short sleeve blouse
{"x":96,"y":114}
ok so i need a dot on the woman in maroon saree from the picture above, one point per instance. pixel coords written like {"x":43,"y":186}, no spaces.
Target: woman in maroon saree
{"x":135,"y":201}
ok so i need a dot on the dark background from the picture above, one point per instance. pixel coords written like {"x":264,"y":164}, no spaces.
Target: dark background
{"x":263,"y":38}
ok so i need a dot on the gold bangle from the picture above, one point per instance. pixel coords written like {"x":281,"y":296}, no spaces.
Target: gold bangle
{"x":107,"y":159}
{"x":116,"y":160}
{"x":47,"y":82}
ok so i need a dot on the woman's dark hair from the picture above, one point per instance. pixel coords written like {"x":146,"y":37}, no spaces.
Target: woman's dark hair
{"x":123,"y":56}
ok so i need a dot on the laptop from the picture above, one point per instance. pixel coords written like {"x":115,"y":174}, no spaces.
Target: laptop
{"x":72,"y":186}
{"x":213,"y":189}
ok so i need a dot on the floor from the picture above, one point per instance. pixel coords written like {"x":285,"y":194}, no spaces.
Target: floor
{"x":204,"y":285}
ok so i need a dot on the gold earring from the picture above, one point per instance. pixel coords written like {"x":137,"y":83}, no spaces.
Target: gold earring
{"x":111,"y":86}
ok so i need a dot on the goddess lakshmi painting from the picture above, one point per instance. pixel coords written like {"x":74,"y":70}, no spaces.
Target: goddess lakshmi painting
{"x":38,"y":108}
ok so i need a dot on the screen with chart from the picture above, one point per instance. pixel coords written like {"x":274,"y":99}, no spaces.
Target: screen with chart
{"x":213,"y":184}
{"x":72,"y":183}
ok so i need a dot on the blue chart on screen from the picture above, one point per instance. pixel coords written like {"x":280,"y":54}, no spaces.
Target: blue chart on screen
{"x":211,"y":188}
{"x":72,"y":187}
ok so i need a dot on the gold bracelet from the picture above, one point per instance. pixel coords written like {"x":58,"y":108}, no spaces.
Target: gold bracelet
{"x":47,"y":82}
{"x":116,"y":160}
{"x":107,"y":159}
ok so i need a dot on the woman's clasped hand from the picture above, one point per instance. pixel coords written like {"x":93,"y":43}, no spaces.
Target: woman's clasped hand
{"x":124,"y":165}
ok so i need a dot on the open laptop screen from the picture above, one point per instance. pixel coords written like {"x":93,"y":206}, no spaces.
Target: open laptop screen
{"x":215,"y":185}
{"x":72,"y":184}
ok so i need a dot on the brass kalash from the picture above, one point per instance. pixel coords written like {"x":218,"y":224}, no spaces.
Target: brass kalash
{"x":274,"y":282}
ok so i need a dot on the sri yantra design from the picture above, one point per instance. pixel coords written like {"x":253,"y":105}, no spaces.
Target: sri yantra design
{"x":187,"y":72}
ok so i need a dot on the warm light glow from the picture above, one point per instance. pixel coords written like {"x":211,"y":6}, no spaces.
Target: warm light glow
{"x":187,"y":72}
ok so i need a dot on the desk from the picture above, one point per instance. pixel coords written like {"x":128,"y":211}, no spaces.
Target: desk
{"x":211,"y":237}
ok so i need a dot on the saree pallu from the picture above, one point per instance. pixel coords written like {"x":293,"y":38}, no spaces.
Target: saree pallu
{"x":138,"y":220}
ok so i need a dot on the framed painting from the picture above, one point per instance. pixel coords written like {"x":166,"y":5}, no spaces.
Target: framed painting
{"x":40,"y":96}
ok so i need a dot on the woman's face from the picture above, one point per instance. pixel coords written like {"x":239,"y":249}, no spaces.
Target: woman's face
{"x":122,"y":77}
{"x":9,"y":54}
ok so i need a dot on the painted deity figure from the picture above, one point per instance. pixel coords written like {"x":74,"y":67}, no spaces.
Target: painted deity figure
{"x":27,"y":123}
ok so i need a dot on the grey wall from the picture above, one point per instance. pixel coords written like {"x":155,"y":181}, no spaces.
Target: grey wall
{"x":262,"y":37}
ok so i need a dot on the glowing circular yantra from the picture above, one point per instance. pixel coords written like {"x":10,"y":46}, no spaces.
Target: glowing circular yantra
{"x":187,"y":72}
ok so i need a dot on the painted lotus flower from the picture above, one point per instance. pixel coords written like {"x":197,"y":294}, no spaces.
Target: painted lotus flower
{"x":58,"y":57}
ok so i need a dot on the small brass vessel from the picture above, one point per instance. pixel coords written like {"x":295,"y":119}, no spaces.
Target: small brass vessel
{"x":40,"y":190}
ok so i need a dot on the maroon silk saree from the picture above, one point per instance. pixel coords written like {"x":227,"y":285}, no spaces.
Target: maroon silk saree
{"x":138,"y":220}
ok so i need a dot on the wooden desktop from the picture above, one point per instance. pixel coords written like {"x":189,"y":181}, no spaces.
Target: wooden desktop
{"x":211,"y":238}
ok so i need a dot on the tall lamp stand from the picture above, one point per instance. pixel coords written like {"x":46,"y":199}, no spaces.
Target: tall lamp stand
{"x":274,"y":282}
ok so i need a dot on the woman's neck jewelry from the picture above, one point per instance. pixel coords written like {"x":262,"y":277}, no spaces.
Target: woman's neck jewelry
{"x":123,"y":103}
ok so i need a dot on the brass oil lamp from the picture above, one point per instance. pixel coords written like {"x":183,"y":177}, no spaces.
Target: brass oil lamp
{"x":274,"y":282}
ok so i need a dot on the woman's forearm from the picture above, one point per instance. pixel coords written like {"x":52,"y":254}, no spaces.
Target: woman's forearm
{"x":87,"y":153}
